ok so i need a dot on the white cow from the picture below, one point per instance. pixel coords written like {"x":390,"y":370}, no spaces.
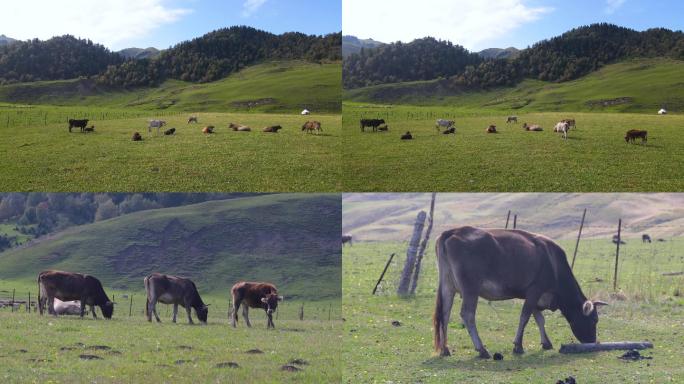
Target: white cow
{"x":156,"y":124}
{"x":68,"y":307}
{"x":306,"y":112}
{"x":444,"y":123}
{"x":662,"y":111}
{"x":562,"y":127}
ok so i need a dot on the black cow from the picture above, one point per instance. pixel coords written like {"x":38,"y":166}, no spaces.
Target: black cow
{"x":373,"y":123}
{"x":346,"y":239}
{"x":407,"y":136}
{"x":78,"y":124}
{"x":170,"y":131}
{"x":68,"y":286}
{"x":645,"y":238}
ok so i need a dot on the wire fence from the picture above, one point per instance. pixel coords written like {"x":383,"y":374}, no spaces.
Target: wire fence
{"x":30,"y":117}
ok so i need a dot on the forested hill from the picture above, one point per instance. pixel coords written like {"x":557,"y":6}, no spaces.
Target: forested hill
{"x":207,"y":58}
{"x":566,"y":57}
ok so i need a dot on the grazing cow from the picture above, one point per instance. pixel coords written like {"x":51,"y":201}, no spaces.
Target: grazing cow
{"x":532,"y":128}
{"x":239,"y":128}
{"x":503,"y":264}
{"x":450,"y":131}
{"x":491,"y":129}
{"x":383,"y":128}
{"x":407,"y":136}
{"x":89,"y":129}
{"x":155,"y":124}
{"x":562,"y":127}
{"x":192,"y":119}
{"x":137,"y":136}
{"x":208,"y":129}
{"x":311,"y":126}
{"x":441,"y":123}
{"x":68,"y":307}
{"x":346,"y":239}
{"x":254,"y":295}
{"x":273,"y":129}
{"x":615,"y":240}
{"x":68,"y":286}
{"x":634,"y":134}
{"x":512,"y":119}
{"x":645,"y":238}
{"x":174,"y":290}
{"x":78,"y":124}
{"x":373,"y":123}
{"x":170,"y":131}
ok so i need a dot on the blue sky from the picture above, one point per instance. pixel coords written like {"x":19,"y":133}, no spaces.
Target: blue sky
{"x":120,"y":24}
{"x":479,"y":24}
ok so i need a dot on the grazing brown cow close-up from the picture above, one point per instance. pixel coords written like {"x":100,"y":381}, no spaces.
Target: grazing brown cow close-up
{"x":254,"y":295}
{"x":68,"y":286}
{"x":174,"y":290}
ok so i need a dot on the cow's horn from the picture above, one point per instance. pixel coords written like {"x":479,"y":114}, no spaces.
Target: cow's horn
{"x":599,"y":302}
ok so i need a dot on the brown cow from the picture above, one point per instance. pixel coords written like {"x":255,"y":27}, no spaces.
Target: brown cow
{"x":311,"y":126}
{"x":491,"y":129}
{"x":67,"y":286}
{"x":533,"y":127}
{"x":192,"y":119}
{"x":208,"y":129}
{"x":255,"y":295}
{"x":239,"y":128}
{"x":137,"y":136}
{"x":633,"y":134}
{"x":272,"y":129}
{"x":173,"y":290}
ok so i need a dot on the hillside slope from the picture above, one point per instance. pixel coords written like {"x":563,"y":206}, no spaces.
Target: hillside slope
{"x":639,"y":85}
{"x":282,"y":86}
{"x":391,"y":216}
{"x":291,"y":240}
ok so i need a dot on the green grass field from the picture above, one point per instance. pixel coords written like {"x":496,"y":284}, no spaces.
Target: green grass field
{"x":375,"y":351}
{"x":49,"y":158}
{"x":595,"y":158}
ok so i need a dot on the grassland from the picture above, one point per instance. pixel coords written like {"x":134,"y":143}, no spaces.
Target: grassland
{"x":647,"y":308}
{"x":595,"y":158}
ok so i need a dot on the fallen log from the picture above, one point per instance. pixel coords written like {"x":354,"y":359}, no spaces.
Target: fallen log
{"x":595,"y":347}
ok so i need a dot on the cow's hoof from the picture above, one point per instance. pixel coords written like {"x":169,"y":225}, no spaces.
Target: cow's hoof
{"x":484,"y":354}
{"x":445,"y":352}
{"x":547,"y":346}
{"x":518,"y":350}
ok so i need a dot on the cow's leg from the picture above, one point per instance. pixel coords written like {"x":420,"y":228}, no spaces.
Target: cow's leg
{"x":245,"y":314}
{"x":468,"y":309}
{"x":539,"y":318}
{"x":42,"y":301}
{"x":51,"y":306}
{"x":269,"y":324}
{"x":149,"y":310}
{"x":83,"y":305}
{"x":154,"y":310}
{"x":92,"y":309}
{"x":175,"y":312}
{"x":527,"y":309}
{"x":188,"y":309}
{"x":233,"y":313}
{"x":446,"y":292}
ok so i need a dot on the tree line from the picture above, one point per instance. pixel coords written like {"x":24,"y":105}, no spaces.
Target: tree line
{"x":569,"y":56}
{"x":207,"y":58}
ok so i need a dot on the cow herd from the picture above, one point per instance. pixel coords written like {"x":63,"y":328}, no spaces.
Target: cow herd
{"x":448,"y":127}
{"x":69,"y":293}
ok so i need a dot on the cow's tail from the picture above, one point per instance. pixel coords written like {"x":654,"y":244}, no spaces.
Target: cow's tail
{"x":438,"y":316}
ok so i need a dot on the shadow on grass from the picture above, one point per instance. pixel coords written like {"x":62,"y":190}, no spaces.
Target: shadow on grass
{"x":468,"y":360}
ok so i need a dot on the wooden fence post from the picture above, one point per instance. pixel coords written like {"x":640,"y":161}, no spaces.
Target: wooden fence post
{"x":130,"y":307}
{"x":383,"y":273}
{"x":406,"y":274}
{"x":508,"y":217}
{"x":423,"y":244}
{"x":301,"y":312}
{"x":515,"y":221}
{"x":329,"y":311}
{"x":28,"y":306}
{"x":579,"y":234}
{"x":617,"y":254}
{"x":12,"y":304}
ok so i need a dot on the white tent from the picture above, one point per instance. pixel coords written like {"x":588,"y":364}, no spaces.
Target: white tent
{"x":306,"y":112}
{"x":662,"y":111}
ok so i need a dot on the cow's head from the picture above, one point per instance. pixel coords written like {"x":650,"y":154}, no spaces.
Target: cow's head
{"x":271,"y":302}
{"x":583,"y":324}
{"x":107,"y":309}
{"x":202,"y":313}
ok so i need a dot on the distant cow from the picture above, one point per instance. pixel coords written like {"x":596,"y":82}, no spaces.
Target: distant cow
{"x":450,"y":131}
{"x":383,"y":128}
{"x":645,"y":238}
{"x":89,"y":129}
{"x":442,"y":123}
{"x":346,"y":239}
{"x":174,"y":290}
{"x":208,"y":129}
{"x":533,"y":127}
{"x":373,"y":123}
{"x":239,"y":127}
{"x":562,"y":127}
{"x":491,"y":129}
{"x":407,"y":136}
{"x":155,"y":124}
{"x":306,"y":112}
{"x":504,"y":264}
{"x":170,"y":131}
{"x":615,"y":240}
{"x":273,"y":129}
{"x":68,"y":307}
{"x":78,"y":124}
{"x":634,"y":134}
{"x":311,"y":126}
{"x":68,"y":286}
{"x":512,"y":119}
{"x":192,"y":119}
{"x":254,"y":295}
{"x":137,"y":136}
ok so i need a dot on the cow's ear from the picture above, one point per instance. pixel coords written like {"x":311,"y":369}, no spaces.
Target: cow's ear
{"x":587,"y":308}
{"x":281,"y":298}
{"x":264,"y":300}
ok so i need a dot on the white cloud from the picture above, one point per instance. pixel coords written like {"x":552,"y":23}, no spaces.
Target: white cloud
{"x":108,"y":22}
{"x":471,"y":23}
{"x":251,"y":6}
{"x":613,"y":5}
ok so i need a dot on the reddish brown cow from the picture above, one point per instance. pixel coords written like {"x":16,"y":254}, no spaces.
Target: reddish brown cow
{"x":634,"y":134}
{"x":255,"y":295}
{"x":173,"y":290}
{"x":67,"y":286}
